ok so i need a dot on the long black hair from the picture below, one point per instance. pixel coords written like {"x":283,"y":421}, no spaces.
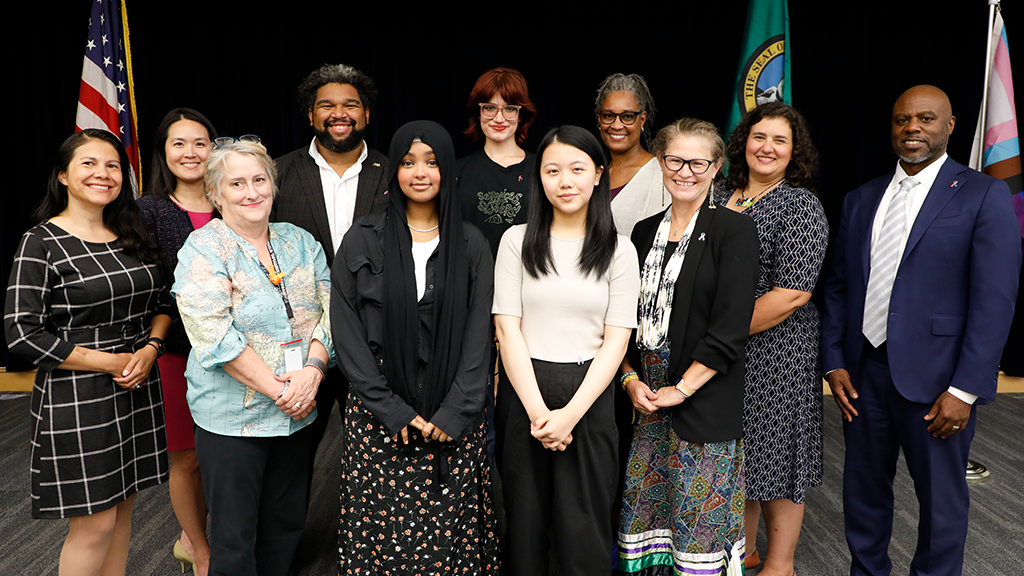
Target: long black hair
{"x":601,"y":236}
{"x":121,"y":216}
{"x":162,"y":181}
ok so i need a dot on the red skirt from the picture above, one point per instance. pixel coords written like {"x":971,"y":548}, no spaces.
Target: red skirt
{"x":180,"y":433}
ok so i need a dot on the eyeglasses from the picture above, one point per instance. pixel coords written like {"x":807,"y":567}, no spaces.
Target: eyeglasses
{"x":225,"y":140}
{"x":675,"y":164}
{"x":627,"y":117}
{"x":509,"y":111}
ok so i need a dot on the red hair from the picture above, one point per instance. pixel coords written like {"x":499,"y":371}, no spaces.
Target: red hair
{"x":511,"y":86}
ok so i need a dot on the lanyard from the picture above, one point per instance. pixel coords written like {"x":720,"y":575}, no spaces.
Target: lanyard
{"x":279,"y":283}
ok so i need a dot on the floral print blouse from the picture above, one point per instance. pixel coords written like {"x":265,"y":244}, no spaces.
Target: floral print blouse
{"x":227,"y":302}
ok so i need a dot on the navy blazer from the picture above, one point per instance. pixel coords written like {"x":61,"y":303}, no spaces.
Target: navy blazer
{"x":711,"y":310}
{"x":300,"y":198}
{"x":953,"y":296}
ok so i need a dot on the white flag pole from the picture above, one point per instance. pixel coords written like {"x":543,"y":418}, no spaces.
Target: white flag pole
{"x":978,"y":147}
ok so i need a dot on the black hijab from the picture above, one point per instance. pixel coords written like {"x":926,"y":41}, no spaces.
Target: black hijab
{"x":451,"y":285}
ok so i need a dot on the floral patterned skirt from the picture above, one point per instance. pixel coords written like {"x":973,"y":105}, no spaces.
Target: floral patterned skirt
{"x":683,"y":502}
{"x":402,"y":513}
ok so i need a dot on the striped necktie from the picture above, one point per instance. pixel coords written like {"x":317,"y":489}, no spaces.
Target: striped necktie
{"x":883,"y":265}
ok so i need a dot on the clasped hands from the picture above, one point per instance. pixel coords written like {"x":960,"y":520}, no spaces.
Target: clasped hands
{"x":554,"y":429}
{"x":134,"y":367}
{"x":297,"y":399}
{"x":427,"y":429}
{"x":648,"y":401}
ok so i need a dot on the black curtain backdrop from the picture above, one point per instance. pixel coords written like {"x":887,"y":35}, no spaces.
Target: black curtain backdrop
{"x":240,"y":62}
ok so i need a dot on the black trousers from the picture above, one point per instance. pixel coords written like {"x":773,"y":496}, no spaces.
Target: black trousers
{"x":557,"y":504}
{"x":331,"y":392}
{"x":256,"y":490}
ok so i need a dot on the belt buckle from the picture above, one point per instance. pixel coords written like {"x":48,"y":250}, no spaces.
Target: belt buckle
{"x":130,"y":333}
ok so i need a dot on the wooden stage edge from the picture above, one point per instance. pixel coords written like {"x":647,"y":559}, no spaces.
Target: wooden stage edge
{"x":22,"y":382}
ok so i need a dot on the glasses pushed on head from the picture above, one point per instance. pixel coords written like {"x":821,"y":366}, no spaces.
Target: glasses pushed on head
{"x":225,"y":140}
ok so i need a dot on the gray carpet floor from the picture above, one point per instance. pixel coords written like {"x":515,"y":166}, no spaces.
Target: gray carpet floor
{"x":995,"y":543}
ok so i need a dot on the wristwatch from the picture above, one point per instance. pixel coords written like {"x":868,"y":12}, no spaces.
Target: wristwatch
{"x":682,"y":389}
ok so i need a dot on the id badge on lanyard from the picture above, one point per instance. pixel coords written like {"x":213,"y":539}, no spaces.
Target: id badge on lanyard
{"x":294,"y":351}
{"x":294,"y":355}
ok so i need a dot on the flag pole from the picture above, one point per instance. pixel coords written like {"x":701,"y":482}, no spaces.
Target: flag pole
{"x":979,"y":134}
{"x":131,"y":98}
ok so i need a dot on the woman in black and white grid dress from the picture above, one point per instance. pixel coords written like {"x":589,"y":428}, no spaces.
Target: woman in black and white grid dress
{"x":85,"y":303}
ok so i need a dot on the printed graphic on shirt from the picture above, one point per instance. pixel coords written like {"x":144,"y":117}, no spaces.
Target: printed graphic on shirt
{"x":498,"y":207}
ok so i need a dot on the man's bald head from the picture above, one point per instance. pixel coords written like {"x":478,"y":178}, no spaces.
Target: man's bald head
{"x":922,"y":120}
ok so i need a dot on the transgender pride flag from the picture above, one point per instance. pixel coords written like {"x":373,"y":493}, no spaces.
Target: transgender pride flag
{"x":999,"y":157}
{"x":996,"y":151}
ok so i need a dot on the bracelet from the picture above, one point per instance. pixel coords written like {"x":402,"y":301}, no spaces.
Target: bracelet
{"x":157,"y":343}
{"x":628,"y":377}
{"x":318,"y":364}
{"x":284,"y":389}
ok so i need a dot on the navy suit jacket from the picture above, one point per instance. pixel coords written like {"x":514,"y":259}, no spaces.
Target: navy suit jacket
{"x":953,"y":296}
{"x":300,"y":198}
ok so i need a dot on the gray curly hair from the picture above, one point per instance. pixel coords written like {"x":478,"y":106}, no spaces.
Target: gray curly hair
{"x":633,"y":84}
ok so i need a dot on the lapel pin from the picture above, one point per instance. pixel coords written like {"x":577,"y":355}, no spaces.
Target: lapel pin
{"x":701,"y":238}
{"x":955,"y":182}
{"x":376,"y":164}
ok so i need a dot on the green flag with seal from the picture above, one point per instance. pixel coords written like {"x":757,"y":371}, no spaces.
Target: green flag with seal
{"x":764,"y":61}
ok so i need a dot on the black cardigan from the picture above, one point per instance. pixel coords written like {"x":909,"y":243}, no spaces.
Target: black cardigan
{"x":169,"y":226}
{"x":711,"y":311}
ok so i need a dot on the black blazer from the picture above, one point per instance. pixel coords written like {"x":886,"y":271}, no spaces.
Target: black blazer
{"x":300,"y":198}
{"x":711,"y":311}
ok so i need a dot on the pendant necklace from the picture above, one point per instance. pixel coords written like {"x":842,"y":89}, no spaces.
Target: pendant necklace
{"x":748,"y":201}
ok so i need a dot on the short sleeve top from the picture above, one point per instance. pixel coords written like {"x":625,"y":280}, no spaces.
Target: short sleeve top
{"x":564,"y":312}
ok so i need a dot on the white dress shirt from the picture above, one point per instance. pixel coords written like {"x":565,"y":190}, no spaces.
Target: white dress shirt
{"x":339,"y":192}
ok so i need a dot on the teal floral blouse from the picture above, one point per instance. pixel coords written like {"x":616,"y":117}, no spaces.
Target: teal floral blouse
{"x":227,"y":302}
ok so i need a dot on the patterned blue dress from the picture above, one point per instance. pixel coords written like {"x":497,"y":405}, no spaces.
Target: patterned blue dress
{"x":782,"y":403}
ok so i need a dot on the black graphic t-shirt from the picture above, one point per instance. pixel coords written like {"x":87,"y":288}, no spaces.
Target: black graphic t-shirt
{"x":493,"y":197}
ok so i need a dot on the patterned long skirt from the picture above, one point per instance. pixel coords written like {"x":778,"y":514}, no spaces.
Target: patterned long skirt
{"x":414,"y":509}
{"x":682,"y":504}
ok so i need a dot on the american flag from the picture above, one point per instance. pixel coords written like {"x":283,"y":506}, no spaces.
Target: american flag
{"x":105,"y":99}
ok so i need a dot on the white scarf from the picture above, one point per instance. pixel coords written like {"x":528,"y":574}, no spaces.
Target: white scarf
{"x":657,"y":288}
